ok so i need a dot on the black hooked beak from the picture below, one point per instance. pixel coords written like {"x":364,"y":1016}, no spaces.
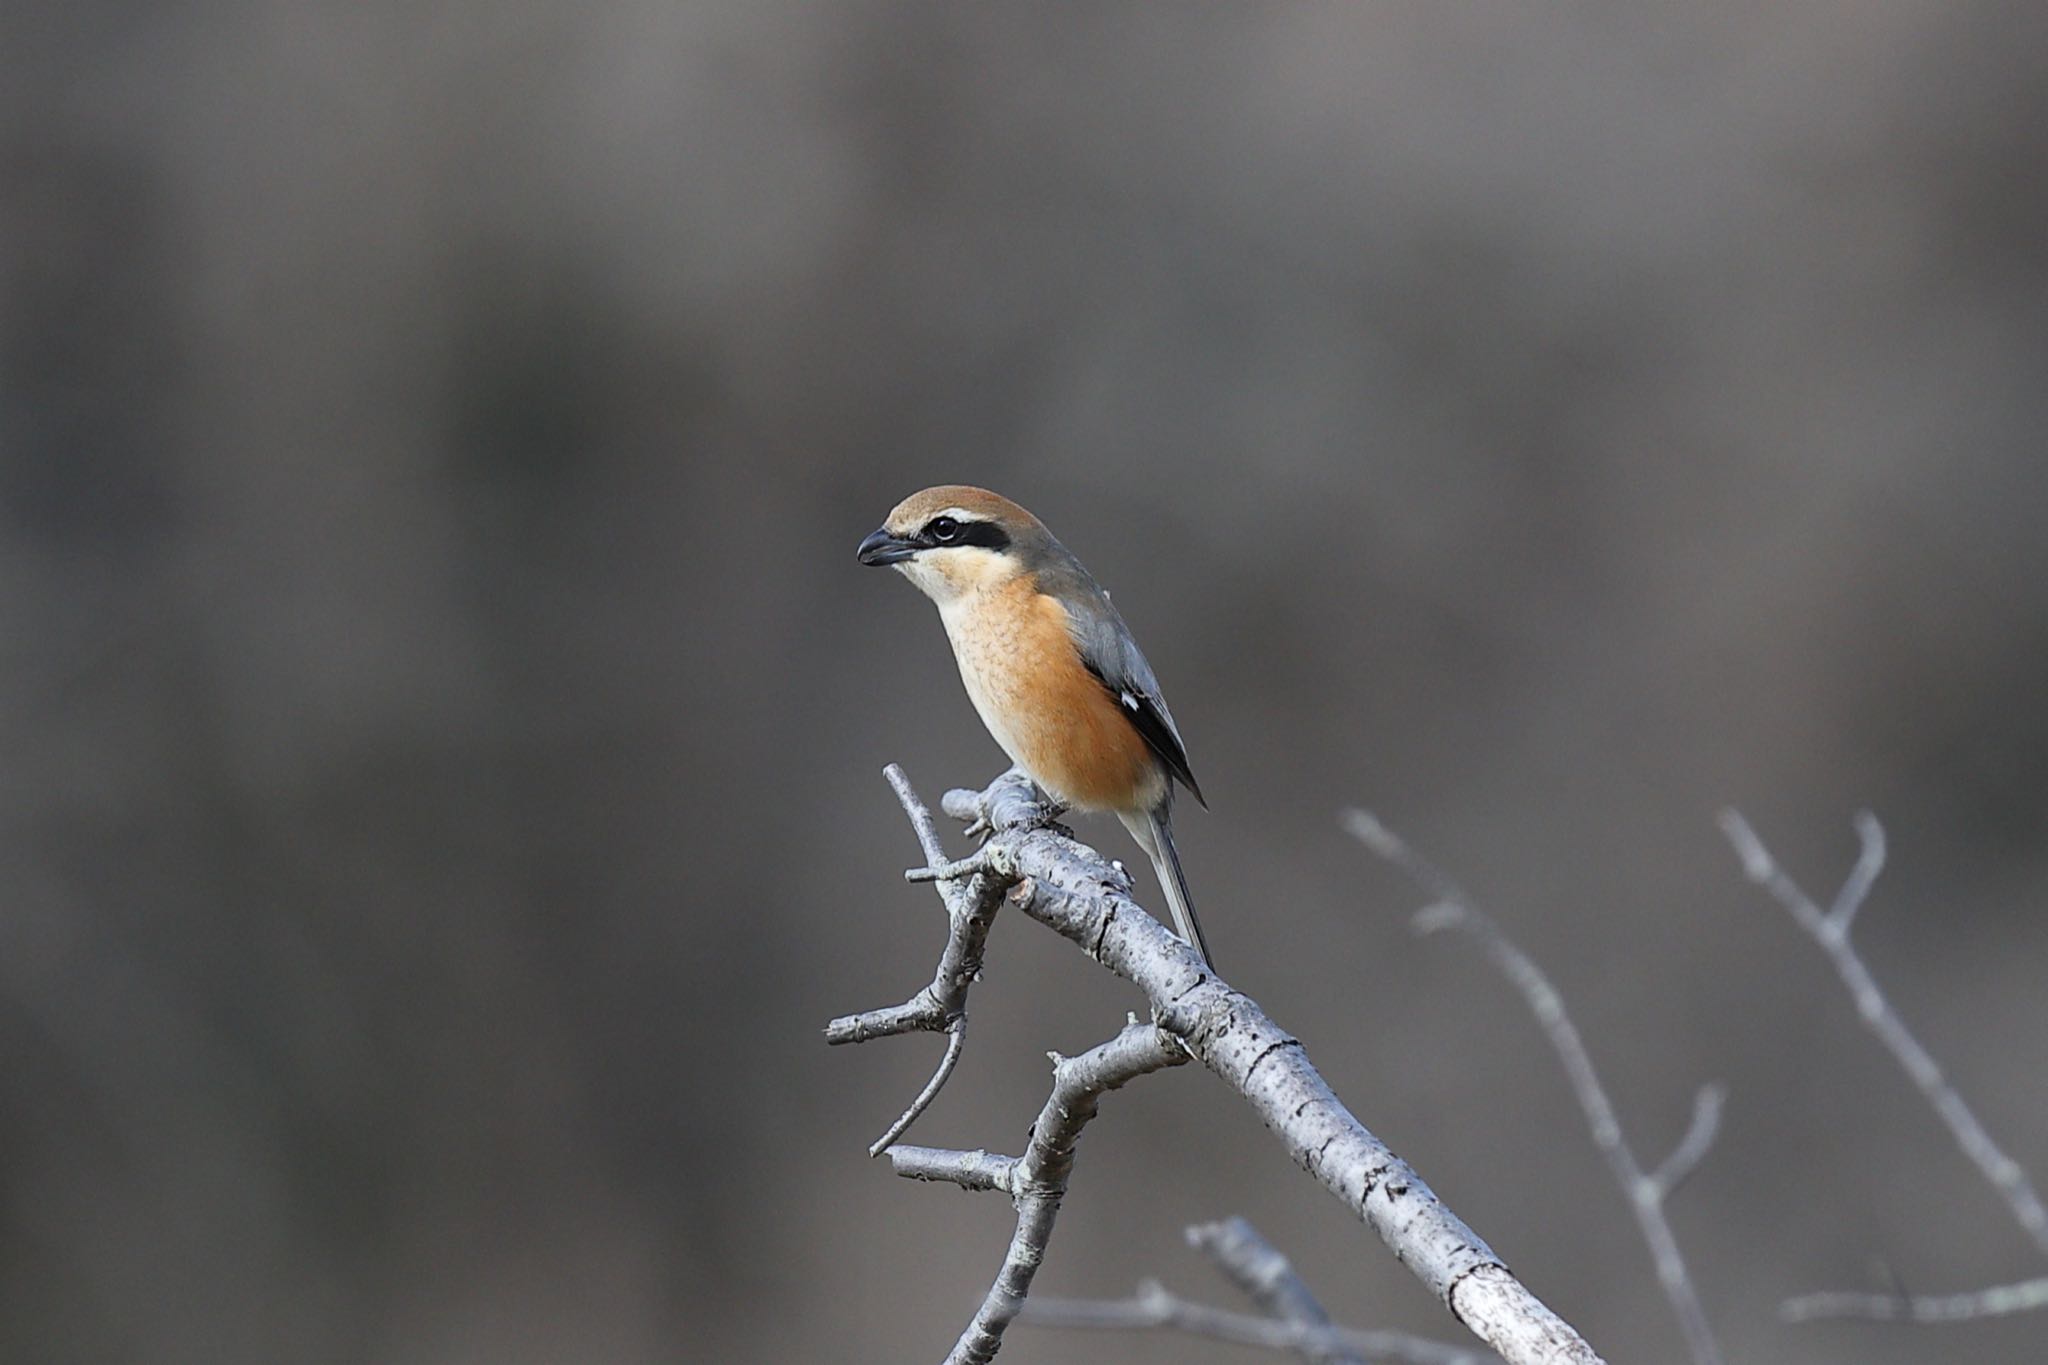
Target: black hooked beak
{"x":882,"y":548}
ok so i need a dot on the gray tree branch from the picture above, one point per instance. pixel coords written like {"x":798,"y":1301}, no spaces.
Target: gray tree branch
{"x":2026,"y":1297}
{"x":1830,"y":929}
{"x":1266,"y":1277}
{"x":1154,"y":1307}
{"x":1064,"y":884}
{"x":1296,"y":1321}
{"x":1645,"y":1192}
{"x":1037,"y":1181}
{"x":971,"y":903}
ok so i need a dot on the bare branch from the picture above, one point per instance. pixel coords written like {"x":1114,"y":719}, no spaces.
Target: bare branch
{"x":986,"y":860}
{"x":1072,"y":889}
{"x":1297,"y":1323}
{"x":1064,"y":884}
{"x":1154,"y":1307}
{"x":2028,"y":1296}
{"x":1830,"y":929}
{"x":1692,"y":1149}
{"x":976,"y":1170}
{"x":921,"y":1012}
{"x":1645,"y":1193}
{"x":971,"y":907}
{"x":956,"y":1043}
{"x":1265,"y":1277}
{"x":1869,"y":863}
{"x":921,"y":823}
{"x":1037,"y":1181}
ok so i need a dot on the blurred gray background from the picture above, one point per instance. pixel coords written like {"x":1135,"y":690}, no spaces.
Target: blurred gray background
{"x":443,"y":717}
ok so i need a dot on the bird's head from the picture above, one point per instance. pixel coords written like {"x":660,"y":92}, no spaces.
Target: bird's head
{"x":953,"y":540}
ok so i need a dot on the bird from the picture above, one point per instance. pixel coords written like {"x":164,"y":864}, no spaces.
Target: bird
{"x":1049,"y":665}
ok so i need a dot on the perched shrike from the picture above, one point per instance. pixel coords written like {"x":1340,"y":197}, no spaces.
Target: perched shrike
{"x":1057,"y":678}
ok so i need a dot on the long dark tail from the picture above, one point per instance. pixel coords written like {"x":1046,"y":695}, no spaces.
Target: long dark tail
{"x":1154,"y":833}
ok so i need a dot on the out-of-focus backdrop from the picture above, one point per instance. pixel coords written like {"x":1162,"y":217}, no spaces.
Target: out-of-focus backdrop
{"x":443,"y":717}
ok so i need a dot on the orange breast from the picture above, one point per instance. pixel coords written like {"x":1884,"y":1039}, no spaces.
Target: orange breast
{"x":1044,"y":707}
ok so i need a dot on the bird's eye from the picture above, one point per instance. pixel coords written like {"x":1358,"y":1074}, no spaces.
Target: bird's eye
{"x":944,"y":529}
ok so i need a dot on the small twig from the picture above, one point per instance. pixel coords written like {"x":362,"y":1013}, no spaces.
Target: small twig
{"x":1266,"y":1277}
{"x":976,"y":1170}
{"x":921,"y":822}
{"x":940,"y":1007}
{"x":1692,"y":1149}
{"x":2028,"y":1296}
{"x":987,"y":860}
{"x":1645,"y":1193}
{"x":1870,"y":852}
{"x":1037,"y":1181}
{"x":1154,"y":1307}
{"x":1830,"y":929}
{"x":956,"y":1043}
{"x":1296,"y":1323}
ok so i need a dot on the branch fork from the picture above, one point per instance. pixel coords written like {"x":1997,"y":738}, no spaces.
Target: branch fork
{"x":1290,"y":1319}
{"x":1830,"y":929}
{"x":1453,"y":910}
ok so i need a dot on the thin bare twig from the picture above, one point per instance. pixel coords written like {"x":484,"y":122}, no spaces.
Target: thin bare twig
{"x":1154,"y":1307}
{"x":1699,"y":1138}
{"x":1296,"y":1321}
{"x":2025,"y":1297}
{"x":1069,"y":887}
{"x":921,"y":822}
{"x":1831,"y":930}
{"x":985,"y":860}
{"x":1646,"y":1193}
{"x":956,"y":1043}
{"x":1037,"y":1181}
{"x":975,"y":1170}
{"x":1266,"y":1277}
{"x":940,"y":1007}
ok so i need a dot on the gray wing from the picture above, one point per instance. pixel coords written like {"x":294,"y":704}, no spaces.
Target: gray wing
{"x":1109,"y":652}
